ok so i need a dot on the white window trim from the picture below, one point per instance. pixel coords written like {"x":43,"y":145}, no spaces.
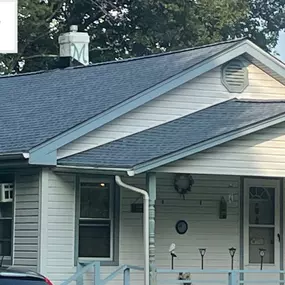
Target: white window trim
{"x":114,"y":220}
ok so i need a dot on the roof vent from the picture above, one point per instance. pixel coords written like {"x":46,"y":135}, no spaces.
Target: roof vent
{"x":235,"y":76}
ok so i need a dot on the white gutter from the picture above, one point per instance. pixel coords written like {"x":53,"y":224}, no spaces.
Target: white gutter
{"x":91,"y":168}
{"x":145,"y":224}
{"x":14,"y":155}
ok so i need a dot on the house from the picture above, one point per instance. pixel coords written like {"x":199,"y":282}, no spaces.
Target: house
{"x":202,"y":129}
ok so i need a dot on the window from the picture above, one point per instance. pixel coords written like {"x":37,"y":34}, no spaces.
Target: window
{"x":6,"y":216}
{"x":98,"y":219}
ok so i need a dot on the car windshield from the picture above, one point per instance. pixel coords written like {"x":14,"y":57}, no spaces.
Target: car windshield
{"x":21,"y":281}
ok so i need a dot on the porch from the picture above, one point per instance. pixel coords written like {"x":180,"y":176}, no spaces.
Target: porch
{"x":213,"y":225}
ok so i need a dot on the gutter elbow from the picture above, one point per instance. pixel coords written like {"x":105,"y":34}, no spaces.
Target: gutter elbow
{"x":131,"y":172}
{"x":132,"y":188}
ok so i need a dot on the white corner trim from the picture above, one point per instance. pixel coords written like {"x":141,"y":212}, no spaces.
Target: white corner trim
{"x":43,"y":221}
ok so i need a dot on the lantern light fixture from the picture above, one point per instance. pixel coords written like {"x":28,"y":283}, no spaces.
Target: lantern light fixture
{"x":232,"y":252}
{"x":262,"y":254}
{"x":202,"y":253}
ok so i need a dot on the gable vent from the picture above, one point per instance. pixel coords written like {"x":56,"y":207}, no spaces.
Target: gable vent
{"x":235,"y":76}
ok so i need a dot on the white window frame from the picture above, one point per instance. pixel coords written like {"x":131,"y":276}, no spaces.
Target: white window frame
{"x":262,"y":182}
{"x":112,"y":260}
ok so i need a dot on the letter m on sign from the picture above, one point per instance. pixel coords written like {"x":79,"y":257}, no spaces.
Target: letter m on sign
{"x":78,"y":52}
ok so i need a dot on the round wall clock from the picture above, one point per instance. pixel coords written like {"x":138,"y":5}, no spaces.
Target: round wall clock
{"x":181,"y":227}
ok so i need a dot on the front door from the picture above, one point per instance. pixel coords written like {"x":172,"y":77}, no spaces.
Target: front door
{"x":261,"y":227}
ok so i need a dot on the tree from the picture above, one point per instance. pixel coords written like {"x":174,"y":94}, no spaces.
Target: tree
{"x":127,"y":28}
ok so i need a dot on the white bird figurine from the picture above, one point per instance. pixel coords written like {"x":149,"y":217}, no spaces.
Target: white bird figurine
{"x":172,"y":249}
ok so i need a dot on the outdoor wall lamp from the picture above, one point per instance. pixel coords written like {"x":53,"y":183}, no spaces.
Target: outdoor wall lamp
{"x":232,"y":252}
{"x":202,"y":253}
{"x":261,"y":253}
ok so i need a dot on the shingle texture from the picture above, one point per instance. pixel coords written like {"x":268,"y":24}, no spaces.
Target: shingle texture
{"x":179,"y":134}
{"x":39,"y":106}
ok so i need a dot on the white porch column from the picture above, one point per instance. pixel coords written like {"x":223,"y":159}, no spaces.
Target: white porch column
{"x":151,"y":186}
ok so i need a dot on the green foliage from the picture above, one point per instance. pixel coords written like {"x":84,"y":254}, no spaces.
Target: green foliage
{"x":126,"y":28}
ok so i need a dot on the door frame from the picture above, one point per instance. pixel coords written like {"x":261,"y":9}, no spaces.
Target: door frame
{"x":278,"y":245}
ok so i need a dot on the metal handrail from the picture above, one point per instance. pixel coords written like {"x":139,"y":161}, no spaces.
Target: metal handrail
{"x":79,"y":274}
{"x":184,"y":270}
{"x":113,"y":275}
{"x":97,"y":280}
{"x":232,"y":276}
{"x":126,"y":269}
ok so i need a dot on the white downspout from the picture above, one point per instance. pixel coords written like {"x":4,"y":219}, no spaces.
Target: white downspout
{"x":145,"y":224}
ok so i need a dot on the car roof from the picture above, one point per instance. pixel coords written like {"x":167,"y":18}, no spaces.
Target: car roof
{"x":11,"y":271}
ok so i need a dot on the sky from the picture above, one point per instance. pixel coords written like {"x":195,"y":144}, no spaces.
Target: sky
{"x":281,"y":46}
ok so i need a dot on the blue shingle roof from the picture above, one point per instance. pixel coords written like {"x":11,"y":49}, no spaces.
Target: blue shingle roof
{"x":179,"y":134}
{"x":36,"y":107}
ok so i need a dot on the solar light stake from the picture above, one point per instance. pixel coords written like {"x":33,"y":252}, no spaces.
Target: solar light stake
{"x":202,"y":253}
{"x":261,"y":253}
{"x":173,"y":255}
{"x":232,"y":252}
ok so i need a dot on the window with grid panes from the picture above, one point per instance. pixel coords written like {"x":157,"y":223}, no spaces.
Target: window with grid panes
{"x":96,"y":219}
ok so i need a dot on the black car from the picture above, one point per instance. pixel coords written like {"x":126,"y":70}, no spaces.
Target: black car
{"x":17,"y":276}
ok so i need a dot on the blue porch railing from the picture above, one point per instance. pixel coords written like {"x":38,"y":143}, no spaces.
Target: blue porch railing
{"x":228,"y":277}
{"x":78,"y":277}
{"x":219,"y":277}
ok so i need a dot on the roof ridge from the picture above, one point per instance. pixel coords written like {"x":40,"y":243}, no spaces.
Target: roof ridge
{"x":161,"y":53}
{"x":125,"y":59}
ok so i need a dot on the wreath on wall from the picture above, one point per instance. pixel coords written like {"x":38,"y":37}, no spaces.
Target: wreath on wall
{"x":183,"y":184}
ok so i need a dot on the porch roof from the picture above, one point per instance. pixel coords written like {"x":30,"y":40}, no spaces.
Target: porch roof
{"x":194,"y":132}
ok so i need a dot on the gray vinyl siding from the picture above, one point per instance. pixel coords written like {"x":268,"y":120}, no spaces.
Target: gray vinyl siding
{"x":60,"y":227}
{"x":26,"y":220}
